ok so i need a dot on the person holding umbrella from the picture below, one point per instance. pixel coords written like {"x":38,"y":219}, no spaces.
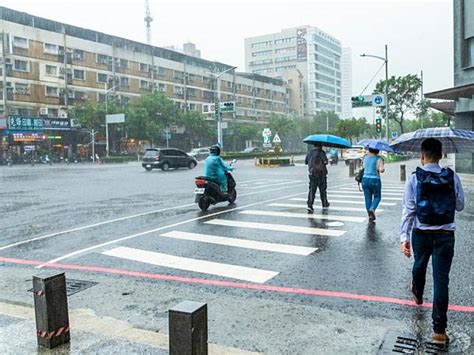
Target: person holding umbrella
{"x":373,"y":165}
{"x":432,"y":196}
{"x":317,"y":161}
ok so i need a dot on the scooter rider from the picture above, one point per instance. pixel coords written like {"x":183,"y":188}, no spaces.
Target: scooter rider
{"x":215,"y":168}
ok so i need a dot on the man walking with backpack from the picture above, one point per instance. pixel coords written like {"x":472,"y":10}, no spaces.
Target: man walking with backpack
{"x":431,"y":198}
{"x":316,"y":160}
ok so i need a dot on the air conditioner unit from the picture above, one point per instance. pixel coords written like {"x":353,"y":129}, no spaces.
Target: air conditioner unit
{"x":8,"y":61}
{"x":43,"y":111}
{"x":77,"y":56}
{"x":62,"y":114}
{"x":21,"y":91}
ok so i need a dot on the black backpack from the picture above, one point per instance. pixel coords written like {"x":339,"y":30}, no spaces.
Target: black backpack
{"x":318,"y":166}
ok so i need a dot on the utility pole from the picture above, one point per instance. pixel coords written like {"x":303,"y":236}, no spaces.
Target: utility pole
{"x":66,"y":94}
{"x":4,"y":69}
{"x":422,"y":100}
{"x":386,"y":94}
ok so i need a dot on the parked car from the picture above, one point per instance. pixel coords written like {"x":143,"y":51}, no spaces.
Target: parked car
{"x":356,"y":154}
{"x":199,"y":153}
{"x":167,"y":158}
{"x":252,"y":150}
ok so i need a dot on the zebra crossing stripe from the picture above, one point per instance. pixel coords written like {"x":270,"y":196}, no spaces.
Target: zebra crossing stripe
{"x":304,"y":215}
{"x":270,"y":185}
{"x":350,"y":195}
{"x":241,"y":243}
{"x":276,"y":227}
{"x":348,"y":189}
{"x":194,"y":265}
{"x":350,"y":202}
{"x":331,"y":208}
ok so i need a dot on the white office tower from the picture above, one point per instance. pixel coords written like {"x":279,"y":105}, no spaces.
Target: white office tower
{"x":346,"y":83}
{"x":316,"y":55}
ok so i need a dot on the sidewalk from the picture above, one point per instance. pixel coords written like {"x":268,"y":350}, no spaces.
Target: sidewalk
{"x":90,"y":334}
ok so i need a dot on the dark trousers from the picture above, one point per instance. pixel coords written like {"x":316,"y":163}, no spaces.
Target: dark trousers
{"x":315,"y":182}
{"x":440,"y":246}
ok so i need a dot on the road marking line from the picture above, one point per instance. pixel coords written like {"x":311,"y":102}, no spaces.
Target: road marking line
{"x":173,"y":225}
{"x":346,"y":201}
{"x":383,"y":192}
{"x":276,"y":227}
{"x":271,"y":185}
{"x":194,"y":265}
{"x":331,"y":208}
{"x":241,"y":243}
{"x":305,"y":215}
{"x":347,"y":195}
{"x":239,"y":285}
{"x":124,"y":218}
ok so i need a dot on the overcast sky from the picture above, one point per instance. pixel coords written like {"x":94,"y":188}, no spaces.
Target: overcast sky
{"x":418,"y":33}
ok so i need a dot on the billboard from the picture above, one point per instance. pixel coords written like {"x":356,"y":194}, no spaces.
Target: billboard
{"x":301,"y":45}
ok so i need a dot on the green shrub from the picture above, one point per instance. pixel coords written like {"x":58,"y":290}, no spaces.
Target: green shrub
{"x":118,"y":159}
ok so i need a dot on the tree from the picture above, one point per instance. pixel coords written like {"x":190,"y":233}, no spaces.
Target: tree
{"x":353,"y":128}
{"x":197,"y":128}
{"x":281,"y":125}
{"x":150,"y":115}
{"x":403,"y":97}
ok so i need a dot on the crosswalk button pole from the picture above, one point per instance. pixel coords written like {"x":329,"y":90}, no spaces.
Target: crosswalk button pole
{"x":403,"y":172}
{"x":188,"y":329}
{"x":351,"y":168}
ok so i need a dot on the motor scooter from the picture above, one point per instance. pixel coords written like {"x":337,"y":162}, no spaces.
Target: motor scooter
{"x":209,"y":193}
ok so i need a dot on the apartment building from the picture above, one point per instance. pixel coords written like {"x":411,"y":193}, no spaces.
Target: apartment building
{"x":50,"y":66}
{"x":311,"y":51}
{"x":346,"y":83}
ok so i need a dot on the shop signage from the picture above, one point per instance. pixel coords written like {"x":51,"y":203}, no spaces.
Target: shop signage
{"x":29,"y":137}
{"x":25,"y":123}
{"x":57,"y":124}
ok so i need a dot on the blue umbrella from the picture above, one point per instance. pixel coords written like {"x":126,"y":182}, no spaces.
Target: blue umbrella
{"x":453,"y":140}
{"x":328,"y":140}
{"x":376,"y":144}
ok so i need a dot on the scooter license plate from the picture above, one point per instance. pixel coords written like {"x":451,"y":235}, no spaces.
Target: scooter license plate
{"x":199,"y":191}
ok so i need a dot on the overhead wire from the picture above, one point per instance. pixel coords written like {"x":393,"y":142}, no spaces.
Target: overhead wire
{"x":371,"y":80}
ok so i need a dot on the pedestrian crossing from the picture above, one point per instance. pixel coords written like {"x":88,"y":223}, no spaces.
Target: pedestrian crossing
{"x":246,"y":230}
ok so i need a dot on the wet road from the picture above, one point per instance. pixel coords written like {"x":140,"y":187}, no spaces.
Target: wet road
{"x":275,"y":278}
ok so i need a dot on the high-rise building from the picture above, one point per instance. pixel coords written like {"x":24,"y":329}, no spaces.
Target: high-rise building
{"x":313,"y":52}
{"x":460,"y":98}
{"x":346,"y":83}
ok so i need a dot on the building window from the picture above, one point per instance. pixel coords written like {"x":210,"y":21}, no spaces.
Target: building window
{"x":20,"y":42}
{"x":178,"y":90}
{"x":190,"y":92}
{"x":79,"y":74}
{"x":124,"y":81}
{"x":21,"y":65}
{"x":178,"y":74}
{"x":143,"y":67}
{"x":192,"y":107}
{"x":78,"y":54}
{"x":80,"y":95}
{"x":22,"y":89}
{"x":101,"y":78}
{"x":470,"y":52}
{"x":52,"y":91}
{"x":51,"y":48}
{"x":101,"y":97}
{"x":102,"y":59}
{"x":262,"y":53}
{"x":162,"y":87}
{"x":51,"y":70}
{"x":144,"y":85}
{"x":124,"y":63}
{"x":161,"y":71}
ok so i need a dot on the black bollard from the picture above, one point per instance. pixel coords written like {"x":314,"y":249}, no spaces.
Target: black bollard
{"x":403,"y":172}
{"x":351,"y":168}
{"x":188,"y":329}
{"x":51,"y":310}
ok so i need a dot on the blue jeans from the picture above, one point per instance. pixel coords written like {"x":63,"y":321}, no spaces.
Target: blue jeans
{"x":439,"y":245}
{"x":372,"y":192}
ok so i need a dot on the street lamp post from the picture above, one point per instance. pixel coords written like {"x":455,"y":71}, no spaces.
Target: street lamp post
{"x":219,"y":120}
{"x":387,"y":129}
{"x":106,"y":93}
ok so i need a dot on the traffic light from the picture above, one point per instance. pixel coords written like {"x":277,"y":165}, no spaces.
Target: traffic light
{"x":228,"y":106}
{"x":358,"y":98}
{"x":378,"y":125}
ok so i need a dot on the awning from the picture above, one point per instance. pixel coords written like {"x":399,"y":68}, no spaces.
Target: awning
{"x":444,"y":106}
{"x":455,"y":93}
